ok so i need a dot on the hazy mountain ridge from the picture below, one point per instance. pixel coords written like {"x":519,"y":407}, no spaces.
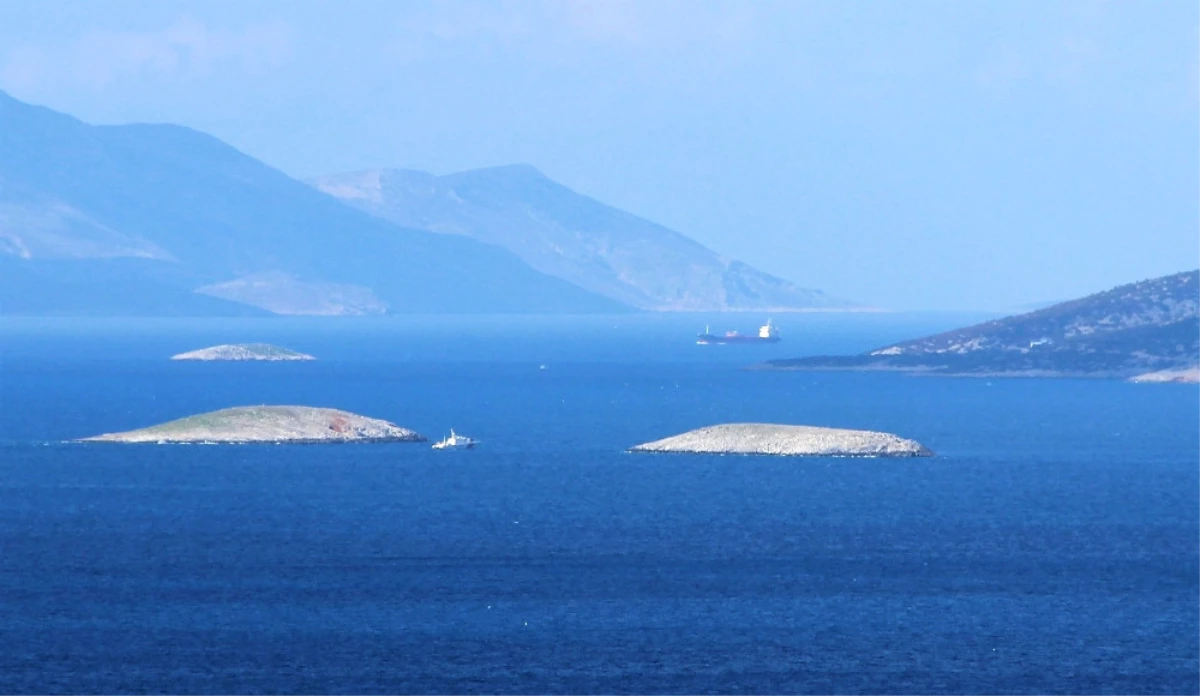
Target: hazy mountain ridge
{"x":1129,"y":330}
{"x":568,"y":235}
{"x":195,"y":213}
{"x":39,"y":226}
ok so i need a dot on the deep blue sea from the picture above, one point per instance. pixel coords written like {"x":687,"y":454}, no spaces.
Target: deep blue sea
{"x":1050,"y":546}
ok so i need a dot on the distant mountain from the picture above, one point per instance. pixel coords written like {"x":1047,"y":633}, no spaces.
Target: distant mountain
{"x":570,"y":236}
{"x":1134,"y":329}
{"x":160,"y":219}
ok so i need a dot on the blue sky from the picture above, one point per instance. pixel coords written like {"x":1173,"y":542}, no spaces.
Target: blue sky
{"x":934,"y":155}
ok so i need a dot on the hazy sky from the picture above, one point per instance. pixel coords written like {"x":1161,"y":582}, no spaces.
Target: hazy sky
{"x":907,"y":154}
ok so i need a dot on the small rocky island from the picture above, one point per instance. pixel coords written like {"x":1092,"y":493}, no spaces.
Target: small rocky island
{"x":786,"y":440}
{"x":243,"y":351}
{"x":269,"y":424}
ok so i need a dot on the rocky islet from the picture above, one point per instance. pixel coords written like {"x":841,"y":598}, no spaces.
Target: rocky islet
{"x":243,"y":351}
{"x":786,"y":440}
{"x":267,"y":424}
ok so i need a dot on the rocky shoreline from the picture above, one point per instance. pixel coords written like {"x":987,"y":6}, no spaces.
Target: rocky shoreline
{"x":786,"y":440}
{"x":267,"y":424}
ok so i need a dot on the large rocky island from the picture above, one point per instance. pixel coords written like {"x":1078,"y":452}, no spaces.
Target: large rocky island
{"x":786,"y":440}
{"x":243,"y":351}
{"x":1148,"y":327}
{"x":270,"y":424}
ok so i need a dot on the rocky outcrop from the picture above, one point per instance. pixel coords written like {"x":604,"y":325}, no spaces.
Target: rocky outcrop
{"x":244,"y":351}
{"x":1186,"y":375}
{"x":272,"y":424}
{"x":786,"y":440}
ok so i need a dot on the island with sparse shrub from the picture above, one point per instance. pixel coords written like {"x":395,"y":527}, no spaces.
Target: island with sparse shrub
{"x":267,"y":424}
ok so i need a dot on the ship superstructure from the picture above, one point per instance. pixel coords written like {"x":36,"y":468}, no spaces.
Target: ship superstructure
{"x":767,"y":333}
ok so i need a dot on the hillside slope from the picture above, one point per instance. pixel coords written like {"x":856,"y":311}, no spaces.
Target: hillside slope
{"x":571,"y":236}
{"x":1130,"y":330}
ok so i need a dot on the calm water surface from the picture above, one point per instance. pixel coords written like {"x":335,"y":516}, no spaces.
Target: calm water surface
{"x":1051,"y":546}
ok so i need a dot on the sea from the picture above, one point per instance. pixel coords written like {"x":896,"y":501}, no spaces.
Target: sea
{"x":1049,"y":546}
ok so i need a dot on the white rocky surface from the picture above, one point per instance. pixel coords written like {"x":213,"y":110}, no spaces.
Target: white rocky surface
{"x":786,"y":440}
{"x":1187,"y":375}
{"x":246,"y":424}
{"x":243,"y":351}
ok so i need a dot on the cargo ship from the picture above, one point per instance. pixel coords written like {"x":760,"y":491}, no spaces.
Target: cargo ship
{"x":767,"y":333}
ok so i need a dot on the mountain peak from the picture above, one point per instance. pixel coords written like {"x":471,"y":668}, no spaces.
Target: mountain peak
{"x":519,"y":169}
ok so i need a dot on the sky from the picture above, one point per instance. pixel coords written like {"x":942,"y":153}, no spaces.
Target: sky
{"x":909,"y":155}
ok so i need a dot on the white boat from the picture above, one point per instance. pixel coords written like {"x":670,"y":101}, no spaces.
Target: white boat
{"x":456,"y":441}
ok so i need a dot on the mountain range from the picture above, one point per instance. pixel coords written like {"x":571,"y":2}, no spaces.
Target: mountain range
{"x":1139,"y":328}
{"x":568,"y":235}
{"x":165,"y":220}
